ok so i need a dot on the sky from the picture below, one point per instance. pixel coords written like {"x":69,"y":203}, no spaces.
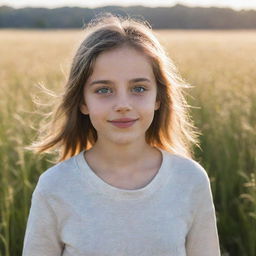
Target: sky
{"x":234,"y":4}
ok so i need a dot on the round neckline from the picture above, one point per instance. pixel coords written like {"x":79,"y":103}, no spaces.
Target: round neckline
{"x":109,"y":190}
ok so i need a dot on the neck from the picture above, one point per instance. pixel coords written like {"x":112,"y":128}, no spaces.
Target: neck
{"x":123,"y":156}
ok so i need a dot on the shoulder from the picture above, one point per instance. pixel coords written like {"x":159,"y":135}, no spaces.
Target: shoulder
{"x":57,"y":177}
{"x":186,"y":170}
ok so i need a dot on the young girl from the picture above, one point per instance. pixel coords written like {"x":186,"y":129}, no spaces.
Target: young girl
{"x":126,"y":184}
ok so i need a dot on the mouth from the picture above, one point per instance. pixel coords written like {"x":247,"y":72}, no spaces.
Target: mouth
{"x":124,"y":120}
{"x":123,"y":123}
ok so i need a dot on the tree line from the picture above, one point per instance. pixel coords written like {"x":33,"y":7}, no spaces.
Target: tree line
{"x":176,"y":17}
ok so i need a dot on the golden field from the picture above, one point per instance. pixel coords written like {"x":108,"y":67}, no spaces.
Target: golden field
{"x":221,"y":67}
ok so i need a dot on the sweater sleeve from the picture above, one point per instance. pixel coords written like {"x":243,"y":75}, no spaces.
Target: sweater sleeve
{"x":41,"y":236}
{"x":202,"y":238}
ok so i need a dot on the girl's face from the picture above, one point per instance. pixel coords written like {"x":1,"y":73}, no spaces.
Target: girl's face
{"x":122,"y":85}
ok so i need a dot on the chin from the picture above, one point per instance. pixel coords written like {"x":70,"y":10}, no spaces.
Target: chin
{"x":125,"y":140}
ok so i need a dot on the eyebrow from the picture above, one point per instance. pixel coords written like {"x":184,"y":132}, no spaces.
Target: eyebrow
{"x":135,"y":80}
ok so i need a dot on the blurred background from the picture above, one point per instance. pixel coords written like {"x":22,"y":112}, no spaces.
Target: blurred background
{"x":213,"y":44}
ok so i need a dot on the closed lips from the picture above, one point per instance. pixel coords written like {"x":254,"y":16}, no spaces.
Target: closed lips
{"x":123,"y":120}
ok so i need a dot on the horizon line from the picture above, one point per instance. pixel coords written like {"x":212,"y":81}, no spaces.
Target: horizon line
{"x":133,"y":5}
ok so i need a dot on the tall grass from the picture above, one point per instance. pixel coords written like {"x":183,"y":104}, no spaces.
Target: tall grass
{"x":221,"y":67}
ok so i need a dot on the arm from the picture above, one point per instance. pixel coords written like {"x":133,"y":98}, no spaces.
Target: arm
{"x":202,"y":238}
{"x":41,"y":237}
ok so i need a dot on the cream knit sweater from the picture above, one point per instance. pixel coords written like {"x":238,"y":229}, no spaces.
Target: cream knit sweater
{"x":75,"y":213}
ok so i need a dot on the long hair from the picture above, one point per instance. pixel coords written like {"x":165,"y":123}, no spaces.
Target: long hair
{"x":69,"y":131}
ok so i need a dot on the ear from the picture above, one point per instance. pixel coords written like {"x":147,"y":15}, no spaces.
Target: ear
{"x":84,"y":109}
{"x":157,"y":105}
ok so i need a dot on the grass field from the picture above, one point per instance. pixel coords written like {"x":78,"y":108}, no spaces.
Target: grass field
{"x":221,"y":67}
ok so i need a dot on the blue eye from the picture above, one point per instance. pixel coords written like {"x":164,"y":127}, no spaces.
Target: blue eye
{"x":140,"y":87}
{"x":102,"y":90}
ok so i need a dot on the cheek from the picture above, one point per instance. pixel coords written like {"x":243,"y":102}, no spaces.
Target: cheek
{"x":96,"y":120}
{"x":94,"y":106}
{"x":147,"y":105}
{"x":97,"y":113}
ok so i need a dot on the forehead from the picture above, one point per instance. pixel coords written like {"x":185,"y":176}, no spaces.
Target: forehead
{"x":124,"y":62}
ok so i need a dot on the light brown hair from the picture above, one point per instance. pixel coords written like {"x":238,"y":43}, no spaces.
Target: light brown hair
{"x":69,"y":131}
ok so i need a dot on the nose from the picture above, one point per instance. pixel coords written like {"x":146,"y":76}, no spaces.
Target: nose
{"x":122,"y":103}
